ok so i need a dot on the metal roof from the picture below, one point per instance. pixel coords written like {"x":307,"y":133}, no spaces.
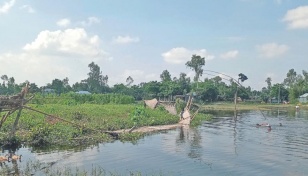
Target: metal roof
{"x":304,"y":95}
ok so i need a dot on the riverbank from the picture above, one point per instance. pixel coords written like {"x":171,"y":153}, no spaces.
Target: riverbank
{"x":84,"y":124}
{"x":92,"y":123}
{"x":246,"y":106}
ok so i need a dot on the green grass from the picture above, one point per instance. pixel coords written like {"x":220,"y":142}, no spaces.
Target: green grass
{"x":90,"y":119}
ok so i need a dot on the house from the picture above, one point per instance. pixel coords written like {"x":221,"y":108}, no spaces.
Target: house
{"x":303,"y":98}
{"x":274,"y":100}
{"x":83,"y":92}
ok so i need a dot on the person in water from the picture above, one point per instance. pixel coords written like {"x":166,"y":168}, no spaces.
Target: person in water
{"x":263,"y":125}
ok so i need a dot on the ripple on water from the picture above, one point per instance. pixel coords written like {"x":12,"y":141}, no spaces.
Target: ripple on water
{"x":227,"y":146}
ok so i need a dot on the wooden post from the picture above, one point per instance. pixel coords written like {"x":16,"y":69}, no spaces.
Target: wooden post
{"x":24,"y":92}
{"x":15,"y":123}
{"x":235,"y":101}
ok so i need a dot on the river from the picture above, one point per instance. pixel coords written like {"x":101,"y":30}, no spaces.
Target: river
{"x":225,"y":146}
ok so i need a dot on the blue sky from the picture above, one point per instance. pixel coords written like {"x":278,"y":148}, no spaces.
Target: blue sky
{"x":44,"y":40}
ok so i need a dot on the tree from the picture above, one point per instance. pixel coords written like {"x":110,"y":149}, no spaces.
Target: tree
{"x":196,"y":64}
{"x":216,"y":80}
{"x":243,"y":78}
{"x":121,"y":89}
{"x":165,"y":76}
{"x":151,"y":89}
{"x":169,"y":88}
{"x":11,"y":85}
{"x":264,"y":95}
{"x":279,"y":91}
{"x":291,"y":78}
{"x":4,"y":79}
{"x":269,"y":82}
{"x":184,"y":83}
{"x":58,"y":86}
{"x":96,"y":81}
{"x":33,"y":88}
{"x":208,"y":91}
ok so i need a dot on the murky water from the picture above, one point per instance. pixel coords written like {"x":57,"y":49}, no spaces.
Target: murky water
{"x":226,"y":146}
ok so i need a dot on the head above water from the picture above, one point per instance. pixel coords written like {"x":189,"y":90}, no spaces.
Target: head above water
{"x":263,"y":124}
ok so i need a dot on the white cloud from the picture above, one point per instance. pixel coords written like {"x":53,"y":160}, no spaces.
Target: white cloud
{"x":54,"y":54}
{"x":181,"y":55}
{"x":90,"y":21}
{"x":28,"y":8}
{"x":74,"y":42}
{"x":64,"y":22}
{"x":297,"y":18}
{"x":7,"y":6}
{"x":230,"y":54}
{"x":125,"y":40}
{"x":271,"y":50}
{"x":34,"y":68}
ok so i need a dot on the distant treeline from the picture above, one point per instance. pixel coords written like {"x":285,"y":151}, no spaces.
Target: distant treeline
{"x":219,"y":87}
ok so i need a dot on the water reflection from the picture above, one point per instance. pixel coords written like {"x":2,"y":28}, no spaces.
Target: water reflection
{"x":193,"y":138}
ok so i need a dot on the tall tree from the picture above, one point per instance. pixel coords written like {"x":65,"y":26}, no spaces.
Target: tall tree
{"x":95,"y":79}
{"x":165,"y":76}
{"x":58,"y":86}
{"x":34,"y":88}
{"x":196,"y":64}
{"x":269,"y":82}
{"x":279,"y":91}
{"x":4,"y":79}
{"x":184,"y":83}
{"x":242,"y":78}
{"x":291,"y":78}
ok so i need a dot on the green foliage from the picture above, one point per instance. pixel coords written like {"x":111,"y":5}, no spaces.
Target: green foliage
{"x":138,"y":114}
{"x":15,"y":141}
{"x":165,"y":76}
{"x":39,"y":135}
{"x":37,"y":130}
{"x":196,"y":64}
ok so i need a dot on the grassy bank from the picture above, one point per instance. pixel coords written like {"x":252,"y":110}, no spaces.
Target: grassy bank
{"x":89,"y":119}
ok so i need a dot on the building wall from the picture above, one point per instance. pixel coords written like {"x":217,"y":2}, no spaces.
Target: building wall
{"x":303,"y":100}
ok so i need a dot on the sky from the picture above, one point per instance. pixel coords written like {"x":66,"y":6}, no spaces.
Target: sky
{"x":44,"y":40}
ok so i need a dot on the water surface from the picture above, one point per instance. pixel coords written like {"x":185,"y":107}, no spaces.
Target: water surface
{"x":226,"y":146}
